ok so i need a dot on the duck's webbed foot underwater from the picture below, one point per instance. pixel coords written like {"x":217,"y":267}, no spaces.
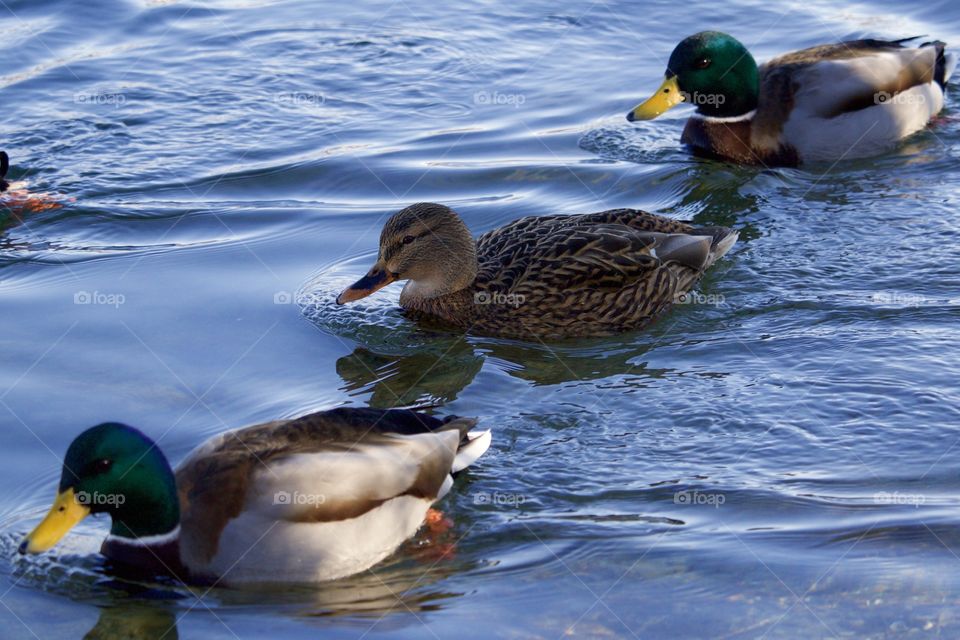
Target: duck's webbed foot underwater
{"x":17,"y":199}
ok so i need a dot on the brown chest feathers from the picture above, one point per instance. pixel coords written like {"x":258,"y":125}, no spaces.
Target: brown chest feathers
{"x":737,"y":141}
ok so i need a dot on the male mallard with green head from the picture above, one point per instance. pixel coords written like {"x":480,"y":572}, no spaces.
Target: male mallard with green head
{"x":304,"y":500}
{"x":547,"y":277}
{"x":848,"y":100}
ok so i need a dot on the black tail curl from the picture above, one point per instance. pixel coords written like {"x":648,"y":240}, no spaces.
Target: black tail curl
{"x":940,"y":71}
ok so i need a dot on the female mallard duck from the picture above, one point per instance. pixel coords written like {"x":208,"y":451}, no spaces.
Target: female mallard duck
{"x":310,"y":499}
{"x":847,"y":100}
{"x":547,"y":277}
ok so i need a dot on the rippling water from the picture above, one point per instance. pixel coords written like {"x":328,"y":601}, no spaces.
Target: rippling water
{"x":778,"y":460}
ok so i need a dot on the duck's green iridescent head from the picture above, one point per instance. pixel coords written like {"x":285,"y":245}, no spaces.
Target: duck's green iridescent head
{"x":710,"y":70}
{"x":115,"y":469}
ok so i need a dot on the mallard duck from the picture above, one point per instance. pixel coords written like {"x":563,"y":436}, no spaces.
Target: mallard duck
{"x":848,"y":100}
{"x":304,"y":500}
{"x":547,"y":277}
{"x":4,"y":167}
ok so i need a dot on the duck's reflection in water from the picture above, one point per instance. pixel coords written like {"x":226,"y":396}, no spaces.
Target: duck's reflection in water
{"x":437,"y":374}
{"x":405,"y":584}
{"x":135,"y":622}
{"x":432,"y":376}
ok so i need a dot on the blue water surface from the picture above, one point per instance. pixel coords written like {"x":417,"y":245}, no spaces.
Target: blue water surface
{"x":778,"y":459}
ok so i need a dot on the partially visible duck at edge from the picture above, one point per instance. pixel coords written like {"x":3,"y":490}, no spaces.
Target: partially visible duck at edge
{"x":17,"y":200}
{"x":4,"y":168}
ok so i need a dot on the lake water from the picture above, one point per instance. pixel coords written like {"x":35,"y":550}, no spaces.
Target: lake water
{"x":780,"y":459}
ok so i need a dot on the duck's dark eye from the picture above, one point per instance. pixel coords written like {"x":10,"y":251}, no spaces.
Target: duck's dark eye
{"x":702,"y":63}
{"x":408,"y":239}
{"x":101,"y":466}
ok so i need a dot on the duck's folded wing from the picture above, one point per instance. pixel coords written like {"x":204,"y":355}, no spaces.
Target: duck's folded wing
{"x":341,"y":483}
{"x":607,"y":257}
{"x":519,"y":235}
{"x":834,"y":79}
{"x":323,"y":467}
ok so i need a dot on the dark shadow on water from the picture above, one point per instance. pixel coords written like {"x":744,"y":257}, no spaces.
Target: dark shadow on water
{"x":134,"y":622}
{"x":439,"y":372}
{"x":424,"y":378}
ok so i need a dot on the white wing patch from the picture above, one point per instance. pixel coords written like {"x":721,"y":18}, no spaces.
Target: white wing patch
{"x":292,"y":485}
{"x":827,"y":85}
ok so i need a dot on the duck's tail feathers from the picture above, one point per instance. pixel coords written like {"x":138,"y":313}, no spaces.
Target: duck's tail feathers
{"x":949,"y":66}
{"x":697,"y":249}
{"x":945,"y":65}
{"x":473,"y":445}
{"x":723,"y":240}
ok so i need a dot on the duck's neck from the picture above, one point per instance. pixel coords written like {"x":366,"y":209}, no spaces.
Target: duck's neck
{"x":151,"y":509}
{"x":455,"y":273}
{"x":146,"y":525}
{"x":158,"y":554}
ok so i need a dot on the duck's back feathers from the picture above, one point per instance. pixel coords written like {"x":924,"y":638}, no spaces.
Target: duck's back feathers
{"x":592,"y":274}
{"x":851,"y":99}
{"x":331,"y":477}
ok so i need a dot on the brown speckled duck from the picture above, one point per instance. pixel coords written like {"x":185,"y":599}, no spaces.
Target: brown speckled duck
{"x":848,"y":100}
{"x":549,"y":277}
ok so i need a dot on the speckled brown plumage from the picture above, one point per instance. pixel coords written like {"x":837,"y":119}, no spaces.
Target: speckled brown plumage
{"x":555,"y":277}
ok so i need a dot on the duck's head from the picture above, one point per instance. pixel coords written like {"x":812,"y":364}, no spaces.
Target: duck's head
{"x":710,"y":70}
{"x":115,"y":469}
{"x":427,"y":244}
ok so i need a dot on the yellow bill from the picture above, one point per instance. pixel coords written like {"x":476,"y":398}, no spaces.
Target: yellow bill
{"x":65,"y":513}
{"x":666,"y":97}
